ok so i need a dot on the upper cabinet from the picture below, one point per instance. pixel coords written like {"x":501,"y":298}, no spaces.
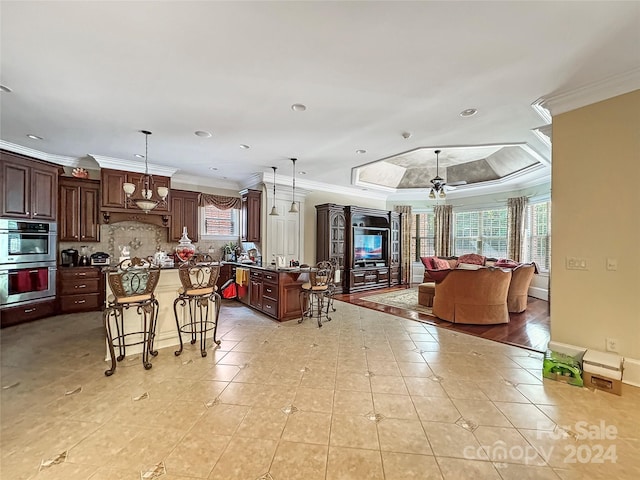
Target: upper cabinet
{"x":29,"y":187}
{"x":250,"y":212}
{"x":113,"y":196}
{"x":184,"y":213}
{"x":79,"y":209}
{"x":114,"y":206}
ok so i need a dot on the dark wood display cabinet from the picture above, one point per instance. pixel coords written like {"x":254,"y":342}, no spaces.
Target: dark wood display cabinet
{"x":395,"y":252}
{"x":364,"y":243}
{"x":114,"y":206}
{"x":80,"y":289}
{"x":331,"y":237}
{"x":250,"y":215}
{"x":184,"y":213}
{"x":29,"y":187}
{"x":79,"y":202}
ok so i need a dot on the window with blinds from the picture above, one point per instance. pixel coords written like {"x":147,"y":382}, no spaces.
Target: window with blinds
{"x":481,"y":231}
{"x":216,"y":222}
{"x":422,"y":236}
{"x":537,"y":235}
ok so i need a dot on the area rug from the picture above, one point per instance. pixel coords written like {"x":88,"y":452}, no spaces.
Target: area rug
{"x":407,"y":299}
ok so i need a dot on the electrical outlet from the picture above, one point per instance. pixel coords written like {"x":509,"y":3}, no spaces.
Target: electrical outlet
{"x":612,"y":345}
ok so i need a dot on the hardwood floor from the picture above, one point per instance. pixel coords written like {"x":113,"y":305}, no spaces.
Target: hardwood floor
{"x":529,"y":329}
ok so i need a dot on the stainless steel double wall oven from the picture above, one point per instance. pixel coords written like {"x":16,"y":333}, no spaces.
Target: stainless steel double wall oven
{"x":27,"y":261}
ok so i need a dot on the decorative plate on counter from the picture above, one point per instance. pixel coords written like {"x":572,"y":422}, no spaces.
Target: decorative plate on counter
{"x":80,"y":173}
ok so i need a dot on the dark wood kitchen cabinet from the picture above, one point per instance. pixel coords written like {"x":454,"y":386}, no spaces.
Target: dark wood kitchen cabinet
{"x":255,"y":289}
{"x":29,"y":187}
{"x":28,"y":312}
{"x":78,"y":218}
{"x":80,"y":289}
{"x":184,"y":213}
{"x":113,"y":196}
{"x":250,"y":214}
{"x":114,"y":206}
{"x":275,"y":293}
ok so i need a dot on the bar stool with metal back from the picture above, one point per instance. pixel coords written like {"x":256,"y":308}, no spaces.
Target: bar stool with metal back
{"x":331,"y":289}
{"x":132,"y":284}
{"x":314,"y":292}
{"x":198,"y":278}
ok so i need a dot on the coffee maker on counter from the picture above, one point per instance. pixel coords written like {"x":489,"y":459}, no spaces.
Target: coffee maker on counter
{"x":69,"y":257}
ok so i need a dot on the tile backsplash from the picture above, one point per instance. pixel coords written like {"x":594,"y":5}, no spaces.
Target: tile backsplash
{"x":142,"y":239}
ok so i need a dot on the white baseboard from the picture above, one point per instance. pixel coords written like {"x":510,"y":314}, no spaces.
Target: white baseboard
{"x":631,"y":373}
{"x":537,"y":292}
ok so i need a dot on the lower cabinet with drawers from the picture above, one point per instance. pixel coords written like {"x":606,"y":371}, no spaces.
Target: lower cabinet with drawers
{"x":275,"y":293}
{"x":80,"y":289}
{"x":26,"y":313}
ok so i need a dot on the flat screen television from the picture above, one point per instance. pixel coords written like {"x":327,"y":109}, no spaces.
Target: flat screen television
{"x":367,"y":247}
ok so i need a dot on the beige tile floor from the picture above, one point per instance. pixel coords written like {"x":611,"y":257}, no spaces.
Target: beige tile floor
{"x":367,"y":396}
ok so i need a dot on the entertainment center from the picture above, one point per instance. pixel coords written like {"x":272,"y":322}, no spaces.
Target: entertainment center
{"x":363,"y":243}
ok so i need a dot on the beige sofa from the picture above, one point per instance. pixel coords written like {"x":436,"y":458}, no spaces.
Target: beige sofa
{"x":521,"y":277}
{"x":517,"y":296}
{"x":476,"y":297}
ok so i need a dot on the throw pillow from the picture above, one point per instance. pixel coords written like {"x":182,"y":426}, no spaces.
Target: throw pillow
{"x":506,"y":263}
{"x":472,"y":258}
{"x":439,"y":275}
{"x":440,"y":264}
{"x":468,"y":266}
{"x":427,"y":262}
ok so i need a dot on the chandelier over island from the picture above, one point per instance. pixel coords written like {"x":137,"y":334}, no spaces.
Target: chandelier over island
{"x":149,"y":199}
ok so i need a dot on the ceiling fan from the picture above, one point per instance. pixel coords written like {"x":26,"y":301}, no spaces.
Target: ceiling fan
{"x":438,"y":183}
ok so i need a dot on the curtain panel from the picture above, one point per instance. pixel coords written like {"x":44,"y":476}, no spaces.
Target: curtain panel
{"x":405,"y":241}
{"x":220,"y":201}
{"x":443,"y":223}
{"x":516,"y":208}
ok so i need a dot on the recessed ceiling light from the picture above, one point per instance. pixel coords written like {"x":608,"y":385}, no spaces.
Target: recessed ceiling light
{"x":137,"y":155}
{"x":302,"y":173}
{"x":406,"y":135}
{"x":203,"y":134}
{"x":298,"y":107}
{"x":245,"y":147}
{"x":213,"y":168}
{"x":5,"y":89}
{"x":360,"y":152}
{"x":34,"y":137}
{"x":469,"y":112}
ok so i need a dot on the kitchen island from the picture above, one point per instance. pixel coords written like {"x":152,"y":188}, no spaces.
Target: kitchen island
{"x":270,"y":290}
{"x":273,"y":291}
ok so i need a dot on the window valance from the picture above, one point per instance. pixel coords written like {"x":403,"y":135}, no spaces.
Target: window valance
{"x":220,"y":201}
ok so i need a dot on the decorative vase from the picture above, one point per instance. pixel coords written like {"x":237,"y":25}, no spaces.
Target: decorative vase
{"x":185,"y":248}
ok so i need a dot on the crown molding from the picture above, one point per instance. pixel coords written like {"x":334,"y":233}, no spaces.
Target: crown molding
{"x":47,"y":157}
{"x":119,"y":164}
{"x":609,"y":87}
{"x":192,"y":181}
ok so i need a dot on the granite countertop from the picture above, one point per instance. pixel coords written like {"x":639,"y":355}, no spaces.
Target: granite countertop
{"x":269,"y":268}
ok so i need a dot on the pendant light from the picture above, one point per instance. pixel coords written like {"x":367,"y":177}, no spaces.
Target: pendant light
{"x":147,"y":202}
{"x":274,"y":210}
{"x":294,"y":205}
